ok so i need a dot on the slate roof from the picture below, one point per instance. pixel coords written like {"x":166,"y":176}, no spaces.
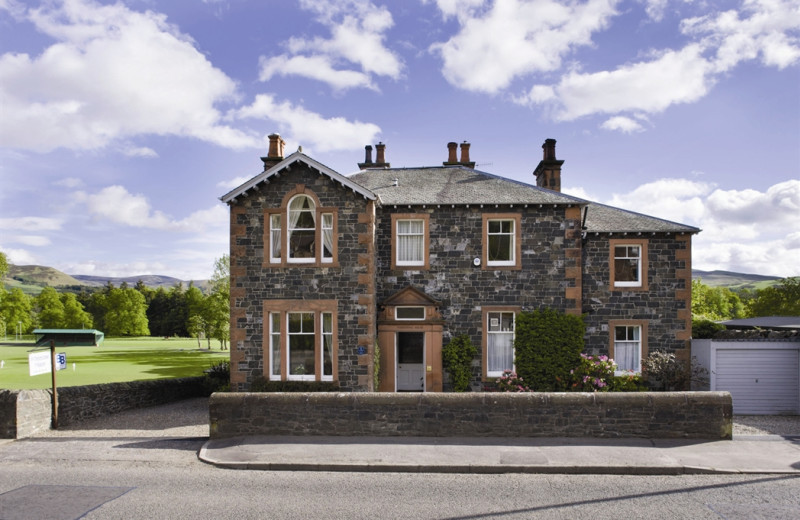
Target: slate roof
{"x":607,"y":219}
{"x":458,"y":185}
{"x":453,"y":185}
{"x":765,"y":322}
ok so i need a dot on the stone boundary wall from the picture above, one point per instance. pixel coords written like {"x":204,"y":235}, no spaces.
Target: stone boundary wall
{"x":685,"y":415}
{"x":25,"y":412}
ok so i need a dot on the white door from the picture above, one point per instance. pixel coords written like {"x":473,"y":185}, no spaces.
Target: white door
{"x":410,"y":361}
{"x":762,"y":380}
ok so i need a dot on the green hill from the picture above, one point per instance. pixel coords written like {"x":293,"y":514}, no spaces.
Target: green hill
{"x":734,"y":281}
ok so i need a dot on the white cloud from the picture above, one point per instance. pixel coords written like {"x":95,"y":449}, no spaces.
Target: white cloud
{"x":117,"y":205}
{"x":742,"y":230}
{"x":770,"y":33}
{"x":623,"y":124}
{"x":31,"y":223}
{"x":309,"y":128}
{"x":113,"y":73}
{"x":763,"y":30}
{"x":20,"y":256}
{"x":233,"y":183}
{"x":647,"y":86}
{"x":29,"y":240}
{"x":515,"y":38}
{"x":69,"y":182}
{"x":357,"y":41}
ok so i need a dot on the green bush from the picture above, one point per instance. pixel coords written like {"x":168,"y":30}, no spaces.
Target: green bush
{"x":547,"y":346}
{"x":218,"y":377}
{"x":627,"y":383}
{"x":705,"y":329}
{"x":457,"y":356}
{"x":261,"y":384}
{"x":593,"y":374}
{"x":665,"y":372}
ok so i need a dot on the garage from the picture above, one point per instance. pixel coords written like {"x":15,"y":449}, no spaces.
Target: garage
{"x":762,"y":377}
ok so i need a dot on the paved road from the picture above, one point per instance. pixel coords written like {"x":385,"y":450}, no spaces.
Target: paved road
{"x":132,"y":469}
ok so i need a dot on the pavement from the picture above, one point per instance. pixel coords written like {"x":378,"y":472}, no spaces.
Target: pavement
{"x":763,"y":454}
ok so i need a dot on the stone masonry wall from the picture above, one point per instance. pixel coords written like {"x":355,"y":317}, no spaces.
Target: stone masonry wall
{"x":549,"y":277}
{"x":349,"y":283}
{"x":25,"y":412}
{"x":665,"y":305}
{"x":698,"y":415}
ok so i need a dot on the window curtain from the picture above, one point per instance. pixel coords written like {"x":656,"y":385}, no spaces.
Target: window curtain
{"x":327,"y":345}
{"x":410,"y":235}
{"x":327,"y":235}
{"x":275,"y":228}
{"x":297,"y":207}
{"x":500,"y":351}
{"x":627,"y":350}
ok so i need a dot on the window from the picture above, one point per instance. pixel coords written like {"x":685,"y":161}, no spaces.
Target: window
{"x":301,"y":341}
{"x":275,"y":238}
{"x":300,"y":232}
{"x":628,"y":264}
{"x":628,"y":345}
{"x":501,"y":241}
{"x":302,"y":229}
{"x":409,"y":313}
{"x":410,"y":241}
{"x":499,"y":326}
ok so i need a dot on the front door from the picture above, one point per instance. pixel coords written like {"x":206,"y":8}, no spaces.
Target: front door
{"x":410,"y":361}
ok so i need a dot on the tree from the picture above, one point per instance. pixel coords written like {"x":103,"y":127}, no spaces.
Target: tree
{"x":218,"y":302}
{"x":75,"y":317}
{"x":3,"y":265}
{"x":51,"y":309}
{"x":126,"y":313}
{"x":715,"y":303}
{"x":779,"y":300}
{"x":15,"y":308}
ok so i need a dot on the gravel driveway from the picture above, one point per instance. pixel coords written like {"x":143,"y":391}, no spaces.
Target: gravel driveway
{"x":189,"y":418}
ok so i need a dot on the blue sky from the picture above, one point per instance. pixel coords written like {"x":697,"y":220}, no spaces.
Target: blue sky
{"x":122,"y":123}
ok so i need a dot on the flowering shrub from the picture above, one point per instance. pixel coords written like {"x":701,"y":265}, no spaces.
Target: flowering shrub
{"x":511,"y":382}
{"x":594,"y":374}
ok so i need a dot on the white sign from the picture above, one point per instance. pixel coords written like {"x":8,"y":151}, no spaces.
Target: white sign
{"x":61,"y":361}
{"x":39,"y":363}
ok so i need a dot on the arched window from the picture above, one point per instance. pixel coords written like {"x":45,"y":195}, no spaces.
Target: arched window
{"x":302,"y":229}
{"x":301,"y":232}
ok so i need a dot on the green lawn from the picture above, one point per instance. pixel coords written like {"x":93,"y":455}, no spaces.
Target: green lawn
{"x":116,"y":360}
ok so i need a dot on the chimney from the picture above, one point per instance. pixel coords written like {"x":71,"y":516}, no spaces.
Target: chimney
{"x":275,"y":152}
{"x":367,"y":158}
{"x":465,"y":156}
{"x":380,"y":159}
{"x":452,"y":158}
{"x":548,"y":172}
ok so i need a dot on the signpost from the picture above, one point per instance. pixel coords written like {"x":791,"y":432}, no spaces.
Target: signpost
{"x":43,"y":362}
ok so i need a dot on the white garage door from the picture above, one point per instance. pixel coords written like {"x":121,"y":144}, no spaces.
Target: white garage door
{"x":762,"y":380}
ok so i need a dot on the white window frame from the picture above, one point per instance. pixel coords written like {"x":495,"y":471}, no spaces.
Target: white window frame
{"x":327,"y":231}
{"x":490,"y":333}
{"x":398,"y":318}
{"x":420,"y":234}
{"x":512,"y":244}
{"x":275,"y":237}
{"x":627,"y":257}
{"x":325,"y":335}
{"x":291,"y":229}
{"x":274,"y":335}
{"x":289,"y":375}
{"x":627,"y":342}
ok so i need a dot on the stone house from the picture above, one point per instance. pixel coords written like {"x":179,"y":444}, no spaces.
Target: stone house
{"x":327,"y":267}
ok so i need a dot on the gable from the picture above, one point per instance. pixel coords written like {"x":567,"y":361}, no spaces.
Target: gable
{"x":409,"y":296}
{"x":285,"y":165}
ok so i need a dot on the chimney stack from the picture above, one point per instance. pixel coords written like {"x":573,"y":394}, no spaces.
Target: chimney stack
{"x":380,"y":158}
{"x":465,"y":156}
{"x":367,"y":158}
{"x":452,"y":154}
{"x":548,"y":172}
{"x":275,"y":151}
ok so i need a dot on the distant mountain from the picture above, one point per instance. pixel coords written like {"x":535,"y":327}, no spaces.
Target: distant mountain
{"x":734,"y":280}
{"x":31,"y":279}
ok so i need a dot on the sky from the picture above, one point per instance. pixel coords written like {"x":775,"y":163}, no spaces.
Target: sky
{"x":122,"y":123}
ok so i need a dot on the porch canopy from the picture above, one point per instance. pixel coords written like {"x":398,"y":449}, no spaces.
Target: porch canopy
{"x":69,"y":337}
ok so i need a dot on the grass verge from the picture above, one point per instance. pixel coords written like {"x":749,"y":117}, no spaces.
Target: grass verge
{"x":116,"y":360}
